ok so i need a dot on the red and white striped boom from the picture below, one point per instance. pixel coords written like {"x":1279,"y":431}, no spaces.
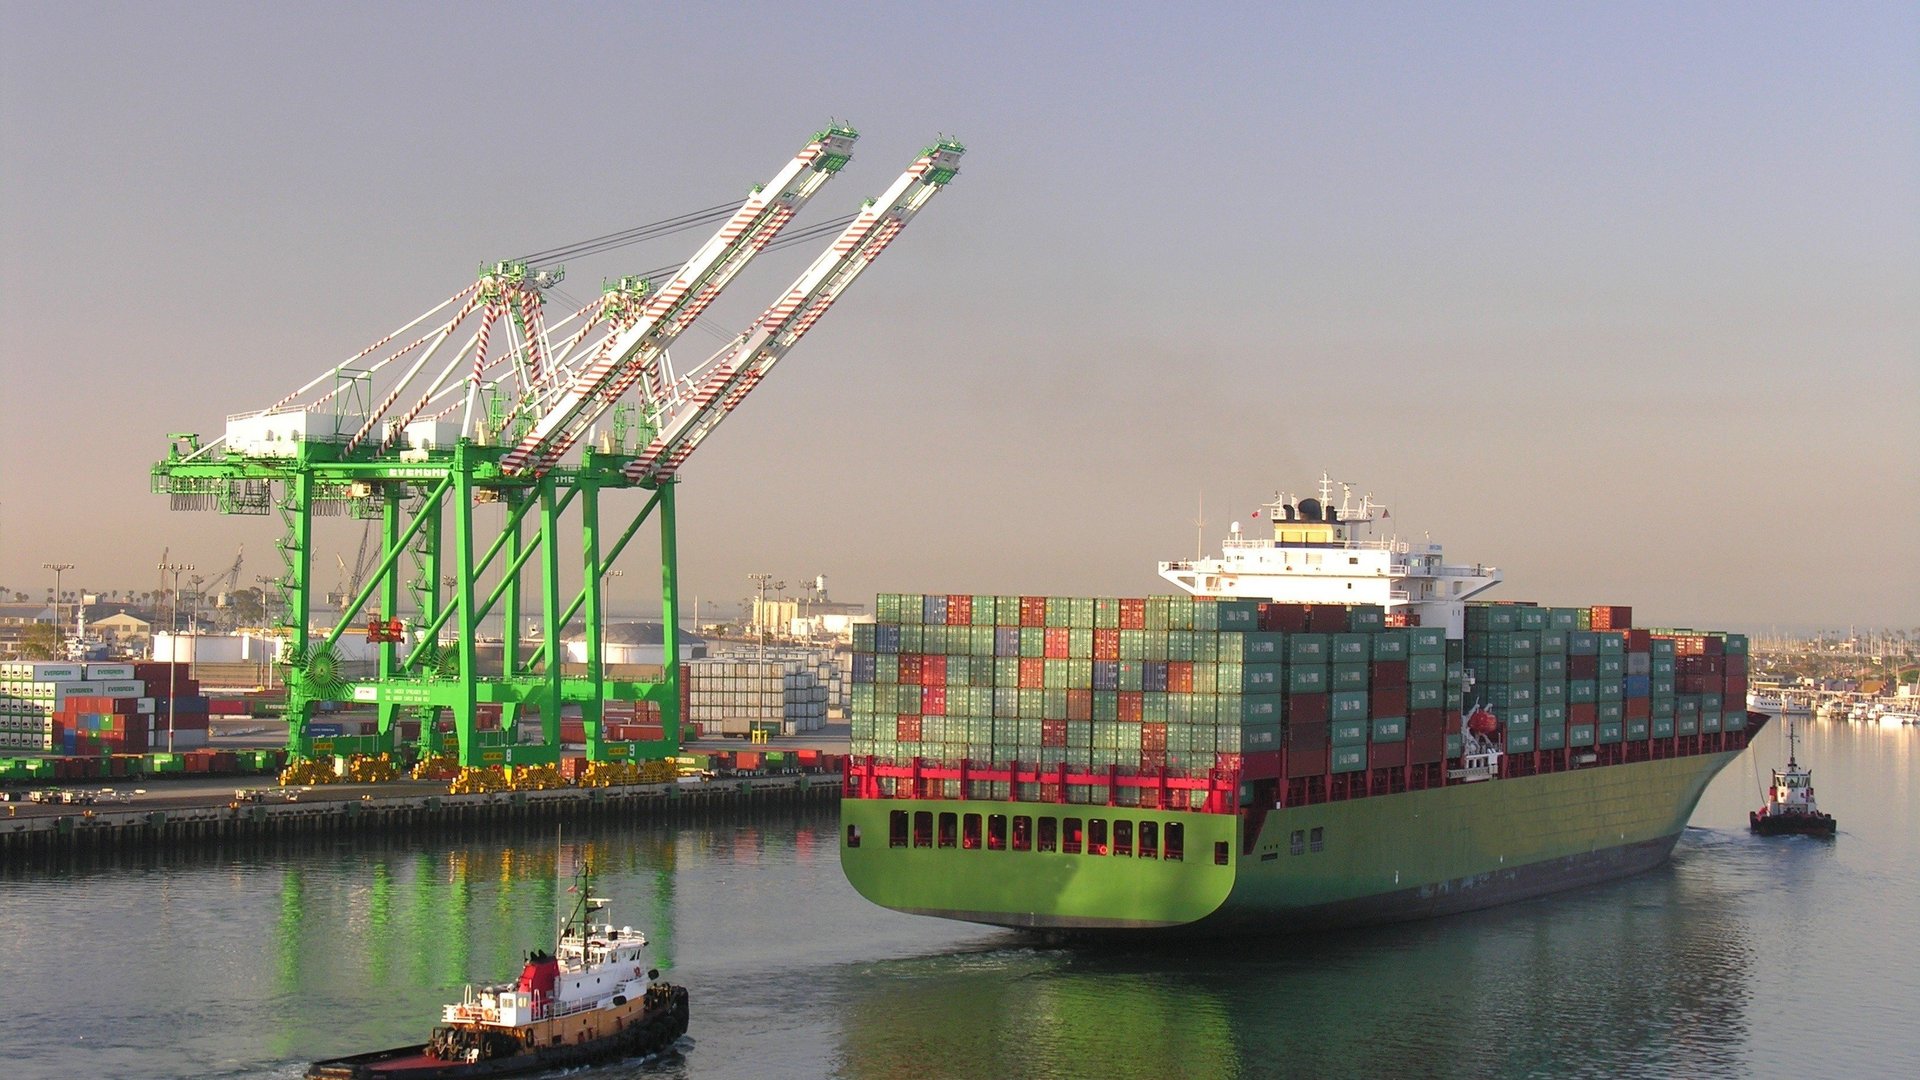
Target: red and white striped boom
{"x":635,"y":350}
{"x":728,"y":376}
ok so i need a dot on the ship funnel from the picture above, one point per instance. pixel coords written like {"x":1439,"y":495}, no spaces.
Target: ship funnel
{"x":1309,"y":509}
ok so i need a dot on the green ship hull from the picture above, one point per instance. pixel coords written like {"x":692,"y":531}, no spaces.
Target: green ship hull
{"x":1352,"y":862}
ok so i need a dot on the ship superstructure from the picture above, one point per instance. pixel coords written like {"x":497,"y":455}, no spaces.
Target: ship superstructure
{"x":1319,"y":553}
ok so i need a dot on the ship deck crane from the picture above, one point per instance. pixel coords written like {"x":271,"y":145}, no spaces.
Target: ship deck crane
{"x":483,"y":401}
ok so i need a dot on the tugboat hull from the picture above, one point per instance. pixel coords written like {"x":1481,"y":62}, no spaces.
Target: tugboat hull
{"x":1792,"y":824}
{"x":656,"y":1031}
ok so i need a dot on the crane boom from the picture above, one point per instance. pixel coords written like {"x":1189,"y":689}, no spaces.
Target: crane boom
{"x":734,"y":372}
{"x":635,"y":350}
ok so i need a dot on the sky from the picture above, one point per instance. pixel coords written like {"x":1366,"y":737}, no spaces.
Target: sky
{"x":1622,"y":298}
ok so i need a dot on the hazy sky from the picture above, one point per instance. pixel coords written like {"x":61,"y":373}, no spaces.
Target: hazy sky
{"x":1622,"y":298}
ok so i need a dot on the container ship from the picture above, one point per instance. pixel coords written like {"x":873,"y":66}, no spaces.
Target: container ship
{"x":1320,"y":729}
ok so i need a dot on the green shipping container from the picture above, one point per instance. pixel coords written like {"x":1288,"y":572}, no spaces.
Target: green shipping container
{"x":1390,"y":729}
{"x":1661,"y":727}
{"x":1580,"y":734}
{"x":1427,"y":696}
{"x":1520,"y":742}
{"x":1637,"y":730}
{"x":1350,"y":677}
{"x":1349,"y":648}
{"x":1348,"y":759}
{"x":1348,"y":732}
{"x":1427,"y":641}
{"x":1308,"y":649}
{"x":1583,"y":643}
{"x":1610,"y":733}
{"x":1550,"y":736}
{"x":1392,"y":645}
{"x":1307,"y":678}
{"x":1426,"y":669}
{"x":1348,"y":705}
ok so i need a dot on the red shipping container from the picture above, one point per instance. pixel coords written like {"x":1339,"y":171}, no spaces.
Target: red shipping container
{"x":1426,"y":748}
{"x":933,"y":670}
{"x":1583,"y":667}
{"x":1639,"y":708}
{"x":1386,"y":755}
{"x":1180,"y":676}
{"x":1053,"y":733}
{"x":1264,"y":765}
{"x":1058,"y":644}
{"x":1584,"y":713}
{"x":907,"y":729}
{"x":1402,"y":618}
{"x":1153,"y":737}
{"x":1611,"y":618}
{"x":746,"y":760}
{"x":933,"y":701}
{"x":1427,"y":722}
{"x":1079,"y":704}
{"x":1033,"y":611}
{"x":1734,"y":665}
{"x":1133,"y":613}
{"x":1106,"y":644}
{"x":1285,"y":618}
{"x":1033,"y":673}
{"x":1133,"y":706}
{"x":959,"y":610}
{"x":1639,"y":640}
{"x":1307,"y":736}
{"x":1309,"y":708}
{"x":1389,"y":673}
{"x":1388,"y":701}
{"x":910,"y":667}
{"x":1302,"y":763}
{"x":1326,"y":619}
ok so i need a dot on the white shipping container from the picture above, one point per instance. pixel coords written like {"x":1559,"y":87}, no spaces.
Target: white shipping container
{"x":109,"y":671}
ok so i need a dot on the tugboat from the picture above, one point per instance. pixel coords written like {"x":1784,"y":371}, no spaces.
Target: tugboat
{"x":592,"y":999}
{"x":1790,"y":809}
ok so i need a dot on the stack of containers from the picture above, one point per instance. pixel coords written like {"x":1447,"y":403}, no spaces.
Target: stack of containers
{"x":1637,"y":699}
{"x":1430,"y":708}
{"x":1661,"y":687}
{"x":1583,"y":687}
{"x":1193,"y":686}
{"x":1610,"y":687}
{"x":1550,"y":693}
{"x":1503,"y":650}
{"x":736,"y":696}
{"x":1091,"y":684}
{"x":1701,"y":683}
{"x":75,"y":708}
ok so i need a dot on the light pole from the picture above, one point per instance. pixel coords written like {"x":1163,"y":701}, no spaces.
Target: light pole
{"x":173,"y":643}
{"x":760,"y":609}
{"x":59,"y":628}
{"x":193,"y":625}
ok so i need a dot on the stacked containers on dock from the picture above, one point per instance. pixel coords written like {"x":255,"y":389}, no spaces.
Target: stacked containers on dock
{"x":778,"y":694}
{"x":82,"y":709}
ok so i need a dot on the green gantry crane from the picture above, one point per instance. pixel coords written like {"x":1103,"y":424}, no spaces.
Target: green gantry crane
{"x":387,"y":436}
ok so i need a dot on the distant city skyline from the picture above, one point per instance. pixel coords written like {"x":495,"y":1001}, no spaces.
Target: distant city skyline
{"x":1624,"y":300}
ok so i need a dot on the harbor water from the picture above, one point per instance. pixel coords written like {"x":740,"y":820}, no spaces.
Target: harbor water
{"x":1743,"y":957}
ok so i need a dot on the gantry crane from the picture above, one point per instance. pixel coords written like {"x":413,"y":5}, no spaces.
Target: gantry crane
{"x":391,"y":437}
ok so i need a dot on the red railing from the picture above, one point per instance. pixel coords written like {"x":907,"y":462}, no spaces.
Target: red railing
{"x":861,"y":780}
